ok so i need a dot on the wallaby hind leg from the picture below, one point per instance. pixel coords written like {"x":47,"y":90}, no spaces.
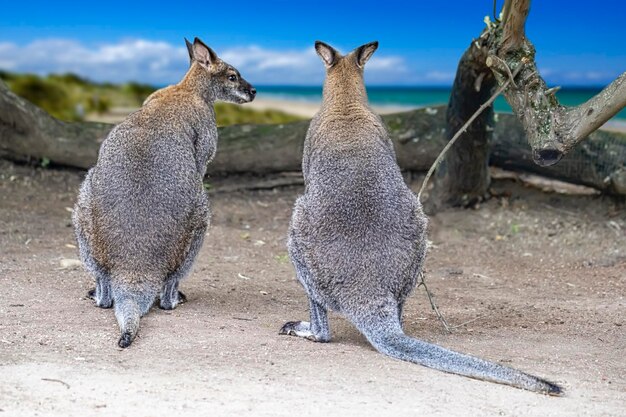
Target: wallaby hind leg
{"x":170,"y":296}
{"x":316,"y":330}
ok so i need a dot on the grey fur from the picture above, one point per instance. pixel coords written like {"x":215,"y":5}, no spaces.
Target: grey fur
{"x":357,"y":237}
{"x":142,"y":210}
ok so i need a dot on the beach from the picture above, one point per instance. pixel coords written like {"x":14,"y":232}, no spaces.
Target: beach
{"x":308,"y":108}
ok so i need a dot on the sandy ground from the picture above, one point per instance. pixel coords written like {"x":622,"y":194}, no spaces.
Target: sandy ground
{"x":542,"y":276}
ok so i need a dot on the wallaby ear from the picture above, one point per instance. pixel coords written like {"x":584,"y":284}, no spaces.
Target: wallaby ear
{"x":203,"y":54}
{"x":328,"y":54}
{"x":364,"y":52}
{"x":189,"y":50}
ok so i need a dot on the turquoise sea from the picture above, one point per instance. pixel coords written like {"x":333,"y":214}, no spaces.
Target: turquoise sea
{"x":412,"y":97}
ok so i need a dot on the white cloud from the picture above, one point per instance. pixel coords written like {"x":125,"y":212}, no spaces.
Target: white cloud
{"x":163,"y":63}
{"x":138,"y":60}
{"x":160,"y":63}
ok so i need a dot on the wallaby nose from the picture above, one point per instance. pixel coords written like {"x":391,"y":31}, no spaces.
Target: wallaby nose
{"x":251,"y":91}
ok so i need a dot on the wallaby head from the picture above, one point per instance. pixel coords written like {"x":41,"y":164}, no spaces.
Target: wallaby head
{"x":222,"y":79}
{"x":345,"y":73}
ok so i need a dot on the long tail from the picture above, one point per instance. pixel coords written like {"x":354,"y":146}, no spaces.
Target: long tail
{"x":127,"y":312}
{"x":386,"y":335}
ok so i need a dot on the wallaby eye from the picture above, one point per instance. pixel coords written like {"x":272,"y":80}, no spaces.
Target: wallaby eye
{"x":232,"y":77}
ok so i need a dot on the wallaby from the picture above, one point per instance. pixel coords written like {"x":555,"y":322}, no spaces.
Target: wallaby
{"x":357,"y":237}
{"x":142,"y":210}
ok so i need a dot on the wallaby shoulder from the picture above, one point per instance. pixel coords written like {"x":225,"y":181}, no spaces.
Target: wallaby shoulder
{"x":176,"y":103}
{"x":338,"y":138}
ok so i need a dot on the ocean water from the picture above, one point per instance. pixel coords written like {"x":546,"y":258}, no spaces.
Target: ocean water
{"x":412,"y":97}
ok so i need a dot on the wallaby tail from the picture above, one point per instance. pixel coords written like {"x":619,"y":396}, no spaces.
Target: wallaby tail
{"x":386,"y":335}
{"x":127,"y":312}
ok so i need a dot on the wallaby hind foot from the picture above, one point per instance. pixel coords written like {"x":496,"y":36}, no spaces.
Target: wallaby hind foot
{"x":317,"y":330}
{"x":300,"y":329}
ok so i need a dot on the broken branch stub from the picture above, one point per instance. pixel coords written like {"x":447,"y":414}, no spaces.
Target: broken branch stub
{"x":551,"y":128}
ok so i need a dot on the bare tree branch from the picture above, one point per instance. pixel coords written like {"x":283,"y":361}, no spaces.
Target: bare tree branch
{"x":514,"y":21}
{"x":552,"y":129}
{"x":592,"y":114}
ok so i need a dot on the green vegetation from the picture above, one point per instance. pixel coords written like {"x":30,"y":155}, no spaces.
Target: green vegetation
{"x":70,"y":97}
{"x":233,"y":114}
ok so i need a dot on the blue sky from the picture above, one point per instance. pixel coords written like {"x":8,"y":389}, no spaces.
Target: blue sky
{"x":578,"y":42}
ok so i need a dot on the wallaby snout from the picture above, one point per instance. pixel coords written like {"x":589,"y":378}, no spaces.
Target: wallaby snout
{"x":246,"y":92}
{"x":250,"y":91}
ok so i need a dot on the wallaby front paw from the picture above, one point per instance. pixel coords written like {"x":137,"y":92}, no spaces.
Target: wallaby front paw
{"x":92,"y":294}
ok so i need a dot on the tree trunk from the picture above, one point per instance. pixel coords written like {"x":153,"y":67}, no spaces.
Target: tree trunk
{"x":27,"y":133}
{"x":463,"y":179}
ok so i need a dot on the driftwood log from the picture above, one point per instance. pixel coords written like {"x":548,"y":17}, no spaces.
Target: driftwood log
{"x":28,"y":133}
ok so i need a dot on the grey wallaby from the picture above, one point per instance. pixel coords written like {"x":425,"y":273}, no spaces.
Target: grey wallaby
{"x":142,"y":210}
{"x":357,"y":237}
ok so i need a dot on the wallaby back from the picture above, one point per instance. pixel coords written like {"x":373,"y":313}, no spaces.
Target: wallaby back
{"x":358,"y":234}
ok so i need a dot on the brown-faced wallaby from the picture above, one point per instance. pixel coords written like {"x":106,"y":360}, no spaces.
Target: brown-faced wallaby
{"x":357,"y":237}
{"x":142,"y":210}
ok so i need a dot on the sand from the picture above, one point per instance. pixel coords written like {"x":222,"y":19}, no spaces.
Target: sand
{"x":309,"y":108}
{"x":541,"y":279}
